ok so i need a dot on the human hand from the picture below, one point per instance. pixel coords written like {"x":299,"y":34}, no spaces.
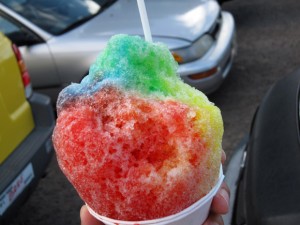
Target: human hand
{"x":219,"y":206}
{"x":87,"y":219}
{"x":220,"y":203}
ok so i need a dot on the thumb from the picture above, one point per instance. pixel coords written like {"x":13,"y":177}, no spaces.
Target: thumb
{"x":86,"y":218}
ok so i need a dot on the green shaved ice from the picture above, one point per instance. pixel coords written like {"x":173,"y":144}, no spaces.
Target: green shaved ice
{"x":136,"y":64}
{"x":149,"y":68}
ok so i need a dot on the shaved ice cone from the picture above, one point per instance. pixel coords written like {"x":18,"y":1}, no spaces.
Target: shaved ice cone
{"x":136,"y":142}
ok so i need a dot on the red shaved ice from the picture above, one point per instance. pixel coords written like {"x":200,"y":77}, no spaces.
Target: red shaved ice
{"x":132,"y":158}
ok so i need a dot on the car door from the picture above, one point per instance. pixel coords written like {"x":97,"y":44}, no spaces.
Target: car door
{"x":15,"y":113}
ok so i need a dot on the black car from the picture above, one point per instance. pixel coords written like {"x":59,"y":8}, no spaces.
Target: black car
{"x":264,"y":173}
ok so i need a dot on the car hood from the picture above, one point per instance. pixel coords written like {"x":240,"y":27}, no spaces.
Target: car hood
{"x":185,"y":20}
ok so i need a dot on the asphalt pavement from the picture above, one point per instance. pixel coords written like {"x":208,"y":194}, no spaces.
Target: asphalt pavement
{"x":268,"y":48}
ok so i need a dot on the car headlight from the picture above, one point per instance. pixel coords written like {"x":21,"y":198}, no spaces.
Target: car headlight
{"x":195,"y":51}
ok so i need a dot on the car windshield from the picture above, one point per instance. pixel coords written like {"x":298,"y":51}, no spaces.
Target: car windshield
{"x":57,"y":16}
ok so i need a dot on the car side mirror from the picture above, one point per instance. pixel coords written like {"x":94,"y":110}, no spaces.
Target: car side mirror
{"x":23,"y":37}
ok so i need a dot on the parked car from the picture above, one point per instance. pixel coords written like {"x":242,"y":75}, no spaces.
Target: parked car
{"x":263,"y":174}
{"x":60,"y":39}
{"x":26,"y":124}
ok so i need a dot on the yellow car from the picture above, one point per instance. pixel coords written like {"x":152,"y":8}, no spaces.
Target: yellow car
{"x":26,"y":124}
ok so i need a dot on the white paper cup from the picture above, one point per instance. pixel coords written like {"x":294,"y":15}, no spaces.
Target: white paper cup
{"x":195,"y":214}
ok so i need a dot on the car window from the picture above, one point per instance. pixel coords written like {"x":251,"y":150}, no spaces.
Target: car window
{"x":17,"y":33}
{"x":57,"y":16}
{"x":7,"y":27}
{"x":298,"y":113}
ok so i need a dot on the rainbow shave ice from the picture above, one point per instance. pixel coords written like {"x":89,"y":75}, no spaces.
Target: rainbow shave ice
{"x":136,"y":142}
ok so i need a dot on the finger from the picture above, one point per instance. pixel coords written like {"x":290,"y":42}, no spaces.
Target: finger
{"x":223,"y":158}
{"x":86,"y":218}
{"x":225,"y":186}
{"x":220,"y":203}
{"x":214,"y":219}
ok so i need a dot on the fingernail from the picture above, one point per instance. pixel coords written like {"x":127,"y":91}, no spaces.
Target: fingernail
{"x":225,"y":196}
{"x":214,"y":223}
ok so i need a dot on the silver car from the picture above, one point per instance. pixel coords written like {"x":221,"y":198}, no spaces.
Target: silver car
{"x":60,"y":39}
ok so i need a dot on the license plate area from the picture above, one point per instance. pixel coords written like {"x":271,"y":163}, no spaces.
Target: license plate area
{"x":15,"y":188}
